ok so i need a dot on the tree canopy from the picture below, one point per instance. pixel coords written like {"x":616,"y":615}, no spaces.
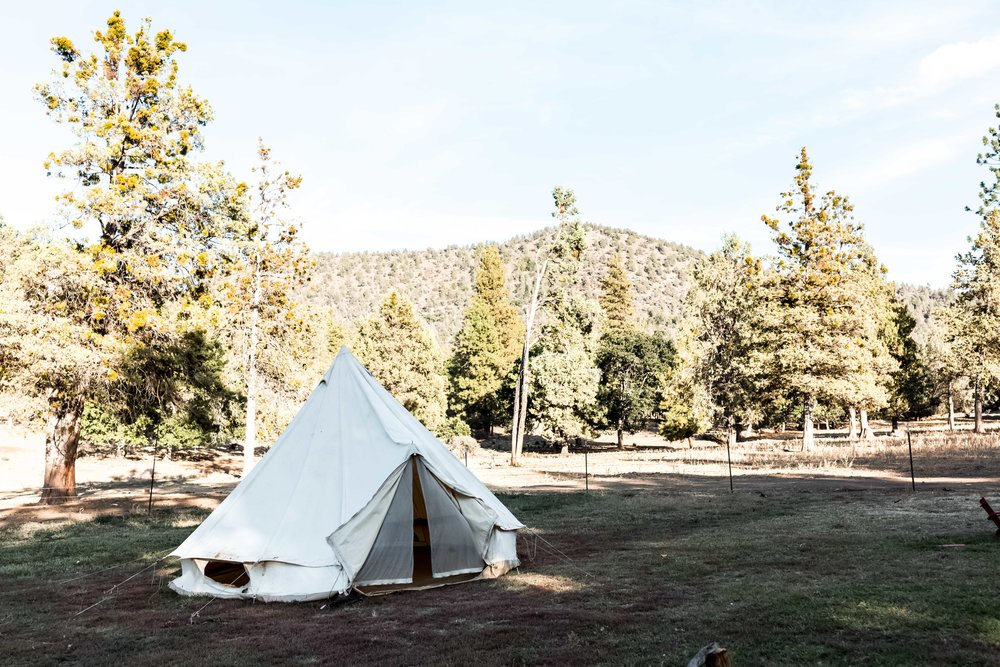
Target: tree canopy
{"x":145,"y":218}
{"x":486,"y":347}
{"x":400,"y":352}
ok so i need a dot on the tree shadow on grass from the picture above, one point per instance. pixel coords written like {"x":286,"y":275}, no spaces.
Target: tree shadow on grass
{"x":802,"y":574}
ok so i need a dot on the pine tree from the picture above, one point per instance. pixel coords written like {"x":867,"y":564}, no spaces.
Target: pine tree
{"x":632,"y":362}
{"x":148,"y":216}
{"x":616,"y":297}
{"x":911,"y":389}
{"x":400,"y":352}
{"x":945,"y":363}
{"x":724,"y":334}
{"x":989,"y":190}
{"x":565,"y":379}
{"x":874,"y":367}
{"x":685,"y":407}
{"x":485,"y":348}
{"x":826,"y":311}
{"x":974,"y":322}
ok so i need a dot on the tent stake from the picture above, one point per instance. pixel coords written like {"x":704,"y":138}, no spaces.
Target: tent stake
{"x":909,"y":445}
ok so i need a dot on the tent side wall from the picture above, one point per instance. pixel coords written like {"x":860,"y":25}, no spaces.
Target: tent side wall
{"x":270,"y":581}
{"x":501,"y":554}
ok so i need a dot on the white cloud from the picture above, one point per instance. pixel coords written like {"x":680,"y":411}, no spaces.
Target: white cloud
{"x":876,"y":171}
{"x":938,"y":71}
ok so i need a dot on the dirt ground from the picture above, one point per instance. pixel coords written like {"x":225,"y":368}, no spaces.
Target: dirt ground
{"x":647,"y":463}
{"x":817,"y":558}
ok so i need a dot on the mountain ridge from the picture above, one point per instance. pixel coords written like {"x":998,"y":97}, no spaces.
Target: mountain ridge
{"x":439,"y":281}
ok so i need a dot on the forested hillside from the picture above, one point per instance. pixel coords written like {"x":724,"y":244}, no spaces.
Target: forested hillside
{"x":439,"y":282}
{"x":921,"y":301}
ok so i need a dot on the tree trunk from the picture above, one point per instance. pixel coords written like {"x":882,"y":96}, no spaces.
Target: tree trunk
{"x":564,"y":450}
{"x":515,"y":419}
{"x":250,"y":439}
{"x":521,"y":391}
{"x":621,"y":437}
{"x":808,"y":437}
{"x":951,"y":408}
{"x":852,"y":434}
{"x":895,"y":424}
{"x":62,"y":435}
{"x":522,"y":417}
{"x":866,"y":432}
{"x":979,"y":409}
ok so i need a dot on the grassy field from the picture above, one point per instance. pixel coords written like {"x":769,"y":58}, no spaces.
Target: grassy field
{"x":799,"y":575}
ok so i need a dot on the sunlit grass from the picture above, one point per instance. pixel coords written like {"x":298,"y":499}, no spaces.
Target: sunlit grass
{"x":801,"y":576}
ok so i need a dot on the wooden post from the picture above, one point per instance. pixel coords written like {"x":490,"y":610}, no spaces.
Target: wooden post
{"x":586,"y":473}
{"x":909,"y":445}
{"x":152,"y":476}
{"x":991,"y":515}
{"x":729,"y":457}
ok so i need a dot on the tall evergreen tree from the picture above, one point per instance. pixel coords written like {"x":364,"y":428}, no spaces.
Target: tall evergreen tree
{"x":874,"y":366}
{"x":147,"y":215}
{"x":974,"y":322}
{"x":911,"y":390}
{"x":564,"y":375}
{"x":399,"y":350}
{"x":486,"y":347}
{"x":989,"y":189}
{"x":616,"y":298}
{"x":632,"y":362}
{"x":725,"y":334}
{"x":685,"y":407}
{"x":824,"y":331}
{"x":945,"y":362}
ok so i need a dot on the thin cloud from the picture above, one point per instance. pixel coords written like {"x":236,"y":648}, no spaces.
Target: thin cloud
{"x":876,"y":172}
{"x":943,"y":68}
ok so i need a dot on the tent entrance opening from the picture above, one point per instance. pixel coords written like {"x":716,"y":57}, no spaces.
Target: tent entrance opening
{"x":441,"y":540}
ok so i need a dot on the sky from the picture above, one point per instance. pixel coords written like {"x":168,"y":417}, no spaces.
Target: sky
{"x":423,"y":125}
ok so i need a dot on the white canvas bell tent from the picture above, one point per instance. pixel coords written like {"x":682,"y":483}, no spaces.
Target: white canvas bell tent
{"x":356,"y":493}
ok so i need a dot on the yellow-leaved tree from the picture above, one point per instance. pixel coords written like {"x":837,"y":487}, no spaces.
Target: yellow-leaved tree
{"x":142,"y":223}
